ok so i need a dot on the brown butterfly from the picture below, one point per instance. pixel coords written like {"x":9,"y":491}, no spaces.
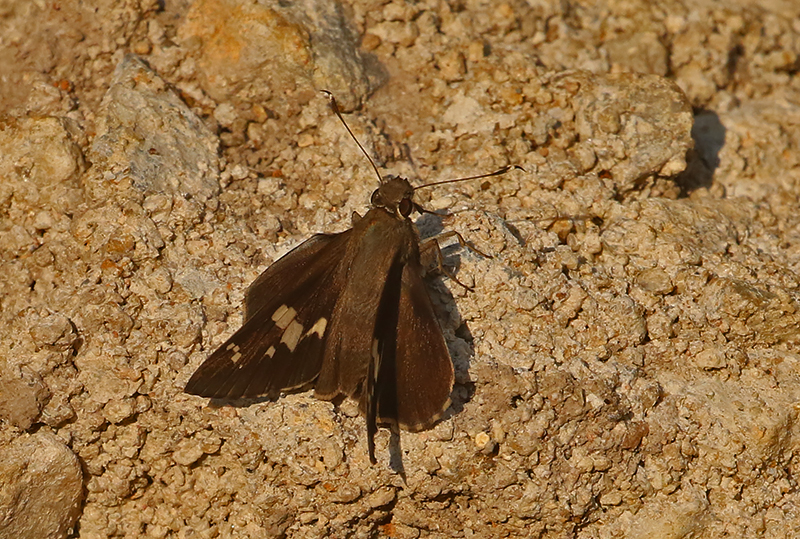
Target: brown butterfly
{"x":347,"y":314}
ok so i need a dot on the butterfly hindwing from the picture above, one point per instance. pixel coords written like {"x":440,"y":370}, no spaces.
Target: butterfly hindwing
{"x":287,"y":312}
{"x":416,"y":378}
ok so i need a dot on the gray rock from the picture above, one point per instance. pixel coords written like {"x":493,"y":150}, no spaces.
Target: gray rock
{"x":147,"y":134}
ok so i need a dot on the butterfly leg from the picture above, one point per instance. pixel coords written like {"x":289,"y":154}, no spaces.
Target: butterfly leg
{"x":430,"y":246}
{"x":461,"y":241}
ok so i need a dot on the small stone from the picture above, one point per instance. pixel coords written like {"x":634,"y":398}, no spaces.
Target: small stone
{"x":655,"y":280}
{"x":710,"y":359}
{"x":611,"y":498}
{"x":118,"y":410}
{"x":21,"y":402}
{"x":452,"y":66}
{"x":381,"y":497}
{"x":188,"y":452}
{"x":481,"y":439}
{"x":54,"y":330}
{"x":225,"y":114}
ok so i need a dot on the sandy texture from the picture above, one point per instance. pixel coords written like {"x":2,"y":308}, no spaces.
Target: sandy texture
{"x":626,"y":366}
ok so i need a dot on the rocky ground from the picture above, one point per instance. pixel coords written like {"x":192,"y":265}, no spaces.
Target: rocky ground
{"x":626,"y":365}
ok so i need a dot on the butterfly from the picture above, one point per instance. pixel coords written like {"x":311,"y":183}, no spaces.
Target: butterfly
{"x":346,"y":314}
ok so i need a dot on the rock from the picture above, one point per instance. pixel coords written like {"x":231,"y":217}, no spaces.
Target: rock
{"x":148,"y":136}
{"x":41,"y":486}
{"x":277,"y":51}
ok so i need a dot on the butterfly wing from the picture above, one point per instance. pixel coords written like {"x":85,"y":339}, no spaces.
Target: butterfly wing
{"x":380,"y":379}
{"x":415,"y":381}
{"x":409,"y":376}
{"x":287,"y":311}
{"x":379,"y":240}
{"x":294,"y":265}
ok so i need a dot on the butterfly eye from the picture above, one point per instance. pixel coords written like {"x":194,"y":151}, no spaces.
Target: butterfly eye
{"x":405,"y":207}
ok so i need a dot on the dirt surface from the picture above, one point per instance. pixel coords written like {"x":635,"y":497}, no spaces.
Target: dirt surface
{"x":626,"y":365}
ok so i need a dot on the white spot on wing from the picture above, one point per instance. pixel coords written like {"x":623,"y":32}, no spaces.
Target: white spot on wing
{"x":237,"y":354}
{"x":318,"y":328}
{"x":270,"y":351}
{"x":291,"y":335}
{"x":283,"y":316}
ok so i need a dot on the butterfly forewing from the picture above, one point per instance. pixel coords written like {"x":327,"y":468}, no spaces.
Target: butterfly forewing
{"x":280,"y":346}
{"x":286,"y":273}
{"x":382,"y":238}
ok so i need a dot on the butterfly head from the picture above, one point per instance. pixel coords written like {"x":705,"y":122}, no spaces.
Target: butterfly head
{"x":395,"y":195}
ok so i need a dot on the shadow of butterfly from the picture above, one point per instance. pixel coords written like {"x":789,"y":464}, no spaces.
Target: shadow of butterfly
{"x":346,"y":314}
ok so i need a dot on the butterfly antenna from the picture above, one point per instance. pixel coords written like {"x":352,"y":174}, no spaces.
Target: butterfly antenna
{"x":479,"y":176}
{"x":335,"y":108}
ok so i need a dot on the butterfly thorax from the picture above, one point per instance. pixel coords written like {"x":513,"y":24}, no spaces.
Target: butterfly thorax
{"x":395,"y":195}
